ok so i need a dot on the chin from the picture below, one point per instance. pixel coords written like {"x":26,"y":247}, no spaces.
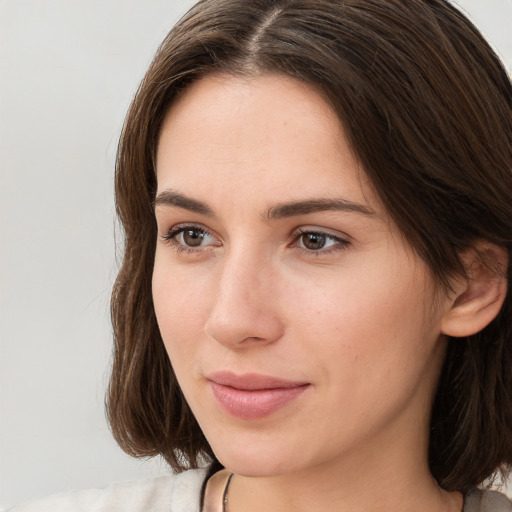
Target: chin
{"x":259,"y":459}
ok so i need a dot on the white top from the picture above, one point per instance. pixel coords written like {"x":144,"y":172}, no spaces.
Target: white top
{"x":172,"y":493}
{"x":181,"y":493}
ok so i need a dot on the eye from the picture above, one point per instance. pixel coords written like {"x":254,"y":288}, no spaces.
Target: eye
{"x":319,"y":242}
{"x":312,"y":241}
{"x":191,"y":237}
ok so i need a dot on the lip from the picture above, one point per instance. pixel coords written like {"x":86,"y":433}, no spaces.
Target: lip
{"x":253,"y":396}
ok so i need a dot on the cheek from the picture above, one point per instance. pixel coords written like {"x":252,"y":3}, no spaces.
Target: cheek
{"x":370,"y":347}
{"x":365,"y":299}
{"x":180,"y":306}
{"x":372,"y":322}
{"x":165,"y":291}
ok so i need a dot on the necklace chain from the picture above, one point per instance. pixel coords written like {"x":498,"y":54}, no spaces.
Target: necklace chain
{"x":225,"y":507}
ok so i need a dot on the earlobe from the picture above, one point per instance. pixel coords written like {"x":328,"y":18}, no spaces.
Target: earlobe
{"x":479,"y":298}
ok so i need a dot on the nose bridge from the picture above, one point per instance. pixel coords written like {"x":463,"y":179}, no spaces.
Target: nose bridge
{"x":243,"y":310}
{"x":244,"y":274}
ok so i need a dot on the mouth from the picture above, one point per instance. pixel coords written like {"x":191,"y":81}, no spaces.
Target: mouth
{"x":253,"y":396}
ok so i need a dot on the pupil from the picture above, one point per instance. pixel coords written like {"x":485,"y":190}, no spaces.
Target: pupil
{"x":192,"y":237}
{"x":313,"y":241}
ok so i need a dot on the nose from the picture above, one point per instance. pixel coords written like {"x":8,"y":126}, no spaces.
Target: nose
{"x":244,"y":311}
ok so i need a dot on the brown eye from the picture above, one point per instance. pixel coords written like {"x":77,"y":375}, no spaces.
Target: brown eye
{"x":319,"y":242}
{"x":313,"y":241}
{"x":193,"y":237}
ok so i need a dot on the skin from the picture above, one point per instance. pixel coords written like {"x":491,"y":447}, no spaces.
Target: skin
{"x":243,"y":290}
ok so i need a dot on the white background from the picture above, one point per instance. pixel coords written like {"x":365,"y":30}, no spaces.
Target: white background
{"x":68,"y":69}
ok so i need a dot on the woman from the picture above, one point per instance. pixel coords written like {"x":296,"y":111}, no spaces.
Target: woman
{"x":316,"y":197}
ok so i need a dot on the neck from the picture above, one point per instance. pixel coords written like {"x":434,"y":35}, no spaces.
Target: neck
{"x":362,"y":482}
{"x":298,"y":493}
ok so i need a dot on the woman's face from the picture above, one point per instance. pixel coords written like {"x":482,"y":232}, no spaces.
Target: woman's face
{"x":301,"y":326}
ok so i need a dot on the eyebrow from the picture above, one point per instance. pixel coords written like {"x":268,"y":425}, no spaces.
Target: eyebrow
{"x":317,"y":205}
{"x":171,"y":198}
{"x":279,"y":211}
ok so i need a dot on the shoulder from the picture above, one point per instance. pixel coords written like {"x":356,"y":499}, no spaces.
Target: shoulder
{"x":172,"y":493}
{"x":487,"y":501}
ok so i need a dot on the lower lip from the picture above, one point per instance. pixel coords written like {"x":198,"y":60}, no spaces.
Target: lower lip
{"x":254,"y":404}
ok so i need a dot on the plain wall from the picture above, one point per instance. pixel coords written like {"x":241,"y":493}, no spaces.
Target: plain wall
{"x":68,"y":70}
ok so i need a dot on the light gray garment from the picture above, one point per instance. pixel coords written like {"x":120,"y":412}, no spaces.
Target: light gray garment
{"x":172,"y":493}
{"x":180,"y":493}
{"x":487,"y":501}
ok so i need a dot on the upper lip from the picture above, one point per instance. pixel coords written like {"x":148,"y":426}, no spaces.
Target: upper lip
{"x":252,"y":381}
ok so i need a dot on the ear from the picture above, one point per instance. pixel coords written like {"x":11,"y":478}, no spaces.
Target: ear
{"x":479,"y":298}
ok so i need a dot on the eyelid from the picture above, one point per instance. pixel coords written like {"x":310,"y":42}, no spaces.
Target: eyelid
{"x":174,"y":231}
{"x":342,"y":239}
{"x":331,"y":233}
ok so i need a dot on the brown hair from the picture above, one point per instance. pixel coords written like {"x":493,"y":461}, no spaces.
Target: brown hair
{"x":426,"y":106}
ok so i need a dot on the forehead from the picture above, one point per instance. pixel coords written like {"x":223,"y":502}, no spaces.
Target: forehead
{"x":269,"y":131}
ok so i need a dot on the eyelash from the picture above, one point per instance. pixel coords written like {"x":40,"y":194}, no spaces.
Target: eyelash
{"x":340,"y":245}
{"x":174,"y":232}
{"x":170,"y":238}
